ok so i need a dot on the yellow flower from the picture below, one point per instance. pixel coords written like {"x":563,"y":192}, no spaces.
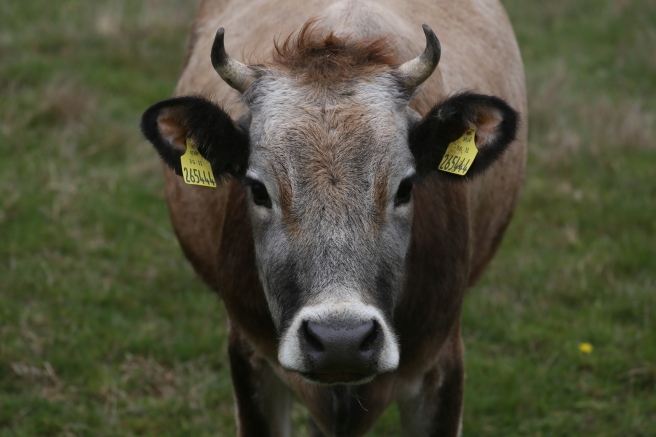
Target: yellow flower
{"x":585,"y":348}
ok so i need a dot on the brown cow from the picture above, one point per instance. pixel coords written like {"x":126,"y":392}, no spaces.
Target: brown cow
{"x":339,"y":244}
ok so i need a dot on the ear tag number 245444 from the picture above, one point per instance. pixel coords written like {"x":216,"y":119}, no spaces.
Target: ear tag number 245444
{"x":460,"y":154}
{"x":196,"y":170}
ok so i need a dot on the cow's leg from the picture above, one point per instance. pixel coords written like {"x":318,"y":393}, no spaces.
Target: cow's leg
{"x":437,"y":410}
{"x":263,"y":402}
{"x":313,"y":429}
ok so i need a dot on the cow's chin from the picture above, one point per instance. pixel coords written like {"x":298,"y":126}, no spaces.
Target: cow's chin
{"x":337,"y":378}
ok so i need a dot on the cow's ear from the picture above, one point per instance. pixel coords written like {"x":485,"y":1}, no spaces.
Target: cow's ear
{"x":169,"y":123}
{"x":496,"y":126}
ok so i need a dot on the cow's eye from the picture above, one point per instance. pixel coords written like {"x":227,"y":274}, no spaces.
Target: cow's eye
{"x":260,"y":194}
{"x":404,"y":193}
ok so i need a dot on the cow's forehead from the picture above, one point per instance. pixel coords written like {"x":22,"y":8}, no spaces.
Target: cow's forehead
{"x":342,"y":132}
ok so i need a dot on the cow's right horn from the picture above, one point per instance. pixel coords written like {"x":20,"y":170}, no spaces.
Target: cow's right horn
{"x":233,"y":72}
{"x":414,"y":72}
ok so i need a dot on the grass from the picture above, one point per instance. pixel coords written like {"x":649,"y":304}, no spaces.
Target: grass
{"x":105,"y":330}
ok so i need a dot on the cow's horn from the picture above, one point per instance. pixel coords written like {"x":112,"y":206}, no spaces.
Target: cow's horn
{"x":233,"y":72}
{"x":413,"y":73}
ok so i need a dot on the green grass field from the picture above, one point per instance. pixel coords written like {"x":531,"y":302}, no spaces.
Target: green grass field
{"x":106,"y":331}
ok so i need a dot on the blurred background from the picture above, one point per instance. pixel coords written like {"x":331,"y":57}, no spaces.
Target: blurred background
{"x":106,"y":331}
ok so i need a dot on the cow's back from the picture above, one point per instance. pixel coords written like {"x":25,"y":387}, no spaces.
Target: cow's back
{"x":479,"y":52}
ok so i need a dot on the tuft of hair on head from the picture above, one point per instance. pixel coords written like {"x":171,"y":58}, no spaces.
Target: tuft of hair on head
{"x":316,"y":55}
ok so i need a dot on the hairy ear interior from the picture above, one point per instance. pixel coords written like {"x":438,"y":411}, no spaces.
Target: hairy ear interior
{"x":487,"y":123}
{"x":172,"y":130}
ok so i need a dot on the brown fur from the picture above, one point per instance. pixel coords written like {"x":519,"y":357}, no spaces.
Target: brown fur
{"x":285,"y":193}
{"x":380,"y":196}
{"x":326,"y":160}
{"x":237,"y":274}
{"x":437,"y":256}
{"x":321,"y":58}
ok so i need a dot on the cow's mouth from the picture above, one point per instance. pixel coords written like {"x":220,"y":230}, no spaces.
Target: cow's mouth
{"x":332,"y":378}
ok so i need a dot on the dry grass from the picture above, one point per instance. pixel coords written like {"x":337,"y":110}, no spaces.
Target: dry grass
{"x":564,"y":124}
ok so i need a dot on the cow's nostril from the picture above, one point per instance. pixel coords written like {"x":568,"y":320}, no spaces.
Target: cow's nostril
{"x":312,"y":338}
{"x":370,"y":340}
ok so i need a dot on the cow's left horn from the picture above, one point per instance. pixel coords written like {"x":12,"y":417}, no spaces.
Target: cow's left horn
{"x":233,"y":72}
{"x":413,"y":73}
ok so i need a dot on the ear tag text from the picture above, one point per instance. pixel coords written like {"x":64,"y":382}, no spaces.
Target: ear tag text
{"x":196,"y":170}
{"x":460,"y":154}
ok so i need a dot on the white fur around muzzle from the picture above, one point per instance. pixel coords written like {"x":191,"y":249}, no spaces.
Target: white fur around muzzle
{"x":291,"y":357}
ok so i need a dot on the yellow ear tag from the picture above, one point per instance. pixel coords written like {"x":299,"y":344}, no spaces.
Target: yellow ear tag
{"x":460,"y":154}
{"x":196,"y":170}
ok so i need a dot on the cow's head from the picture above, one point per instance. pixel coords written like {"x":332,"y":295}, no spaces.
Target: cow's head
{"x":329,"y":153}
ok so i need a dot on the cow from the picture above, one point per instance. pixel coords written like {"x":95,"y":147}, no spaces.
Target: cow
{"x":344,"y":229}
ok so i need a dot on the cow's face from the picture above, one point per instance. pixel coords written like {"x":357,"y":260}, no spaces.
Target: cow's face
{"x":330,"y":177}
{"x":329,"y":168}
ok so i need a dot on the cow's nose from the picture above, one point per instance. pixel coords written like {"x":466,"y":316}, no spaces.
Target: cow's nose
{"x":341,"y":346}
